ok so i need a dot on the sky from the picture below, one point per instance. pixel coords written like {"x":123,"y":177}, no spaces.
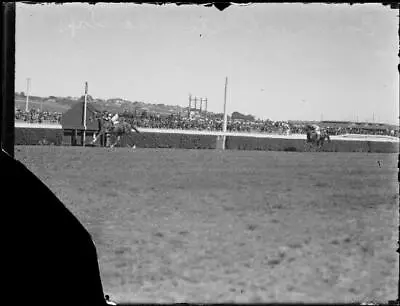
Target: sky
{"x":282,"y":61}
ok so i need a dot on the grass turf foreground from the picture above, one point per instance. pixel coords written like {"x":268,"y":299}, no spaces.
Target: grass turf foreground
{"x":31,"y":136}
{"x":174,"y":226}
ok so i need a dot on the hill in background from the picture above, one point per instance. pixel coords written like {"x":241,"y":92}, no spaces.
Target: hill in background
{"x":115,"y":105}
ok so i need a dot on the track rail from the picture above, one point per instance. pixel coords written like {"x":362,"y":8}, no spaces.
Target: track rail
{"x":346,"y":137}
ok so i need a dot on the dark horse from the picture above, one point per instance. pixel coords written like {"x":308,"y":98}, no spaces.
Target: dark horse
{"x":121,"y":129}
{"x":317,"y":139}
{"x":116,"y":130}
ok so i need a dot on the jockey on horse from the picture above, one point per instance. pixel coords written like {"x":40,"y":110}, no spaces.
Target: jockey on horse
{"x":314,"y":135}
{"x":116,"y":128}
{"x":313,"y":132}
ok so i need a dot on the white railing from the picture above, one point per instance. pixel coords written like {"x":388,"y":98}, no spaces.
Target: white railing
{"x":24,"y":124}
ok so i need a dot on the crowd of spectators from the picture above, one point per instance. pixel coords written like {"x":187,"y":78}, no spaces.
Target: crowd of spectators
{"x":215,"y":123}
{"x":362,"y":131}
{"x":37,"y":116}
{"x":211,"y":122}
{"x":208,"y":122}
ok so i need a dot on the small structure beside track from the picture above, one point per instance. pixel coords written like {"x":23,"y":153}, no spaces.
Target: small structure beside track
{"x":72,"y":124}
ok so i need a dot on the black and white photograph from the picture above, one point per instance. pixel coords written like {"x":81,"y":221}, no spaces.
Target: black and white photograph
{"x":202,"y":153}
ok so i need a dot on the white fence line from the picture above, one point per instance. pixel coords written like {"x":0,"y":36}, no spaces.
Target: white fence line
{"x":23,"y":124}
{"x":347,"y":137}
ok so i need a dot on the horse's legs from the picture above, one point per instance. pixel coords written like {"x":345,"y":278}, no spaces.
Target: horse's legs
{"x":305,"y":145}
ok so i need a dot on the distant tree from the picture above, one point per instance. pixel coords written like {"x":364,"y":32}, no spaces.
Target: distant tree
{"x":237,"y":115}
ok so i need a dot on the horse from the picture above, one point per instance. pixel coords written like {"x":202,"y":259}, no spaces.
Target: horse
{"x":118,"y":129}
{"x":317,"y":139}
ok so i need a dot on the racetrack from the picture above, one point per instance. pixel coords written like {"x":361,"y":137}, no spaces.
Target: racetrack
{"x":244,"y":226}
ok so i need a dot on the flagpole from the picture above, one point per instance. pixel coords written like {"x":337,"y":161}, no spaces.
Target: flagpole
{"x":28,"y":83}
{"x":84,"y":114}
{"x":225,"y":116}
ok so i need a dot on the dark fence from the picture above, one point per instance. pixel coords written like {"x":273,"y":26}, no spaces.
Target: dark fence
{"x":30,"y":136}
{"x":170,"y":140}
{"x":263,"y":144}
{"x":277,"y":144}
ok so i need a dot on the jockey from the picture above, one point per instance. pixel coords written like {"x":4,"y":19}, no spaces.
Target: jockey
{"x":316,"y":129}
{"x":312,"y":130}
{"x":114,"y":119}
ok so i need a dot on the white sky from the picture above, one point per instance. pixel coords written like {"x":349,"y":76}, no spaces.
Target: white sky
{"x":283,"y":61}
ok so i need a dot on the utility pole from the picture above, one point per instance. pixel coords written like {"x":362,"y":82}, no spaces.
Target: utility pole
{"x":84,"y":114}
{"x":190,"y":105}
{"x":225,"y":116}
{"x":28,"y":84}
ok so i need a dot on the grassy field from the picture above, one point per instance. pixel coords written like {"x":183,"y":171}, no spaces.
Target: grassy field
{"x":239,"y":226}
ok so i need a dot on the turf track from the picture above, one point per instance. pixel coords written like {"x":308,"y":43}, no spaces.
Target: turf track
{"x":244,"y":226}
